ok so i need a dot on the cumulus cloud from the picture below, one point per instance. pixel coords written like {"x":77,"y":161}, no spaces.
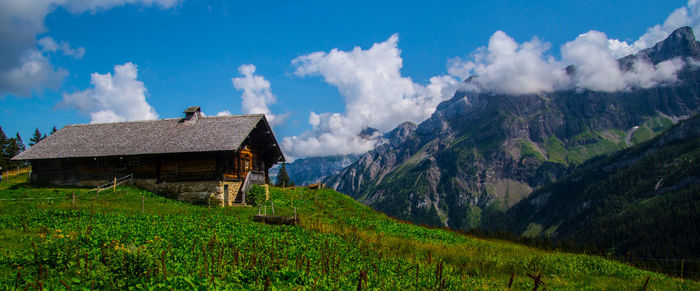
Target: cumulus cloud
{"x":118,"y":97}
{"x":511,"y":68}
{"x":507,"y":67}
{"x":32,"y":71}
{"x":223,"y":113}
{"x":257,"y":94}
{"x":23,"y":67}
{"x":375,"y":95}
{"x":597,"y":68}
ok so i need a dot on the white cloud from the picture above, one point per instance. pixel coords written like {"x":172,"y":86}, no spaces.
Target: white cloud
{"x":511,"y":68}
{"x":33,"y":71}
{"x":118,"y":97}
{"x":23,"y":67}
{"x":597,"y":68}
{"x":257,"y":94}
{"x":48,"y":44}
{"x":80,"y":6}
{"x":223,"y":113}
{"x":375,"y":95}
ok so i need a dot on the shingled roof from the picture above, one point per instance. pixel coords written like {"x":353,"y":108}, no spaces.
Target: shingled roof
{"x":207,"y":134}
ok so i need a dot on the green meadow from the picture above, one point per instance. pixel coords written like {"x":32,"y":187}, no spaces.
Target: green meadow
{"x":133,"y":239}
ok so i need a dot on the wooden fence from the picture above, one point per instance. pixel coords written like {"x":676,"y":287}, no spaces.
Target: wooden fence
{"x":15,"y":171}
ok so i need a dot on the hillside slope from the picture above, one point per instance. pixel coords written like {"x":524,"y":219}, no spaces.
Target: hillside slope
{"x":106,"y":242}
{"x":480,"y":153}
{"x":643,"y":201}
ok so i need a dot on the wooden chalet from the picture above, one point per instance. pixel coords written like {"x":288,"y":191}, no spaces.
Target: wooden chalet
{"x":194,"y":158}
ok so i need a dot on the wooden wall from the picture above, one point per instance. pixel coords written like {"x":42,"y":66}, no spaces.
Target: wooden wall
{"x":164,"y":168}
{"x":181,"y":167}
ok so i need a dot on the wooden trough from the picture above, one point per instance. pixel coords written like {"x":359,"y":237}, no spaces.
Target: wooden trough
{"x":276,"y":220}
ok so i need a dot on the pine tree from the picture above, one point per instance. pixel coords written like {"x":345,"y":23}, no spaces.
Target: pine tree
{"x":36,"y":138}
{"x":53,"y":130}
{"x":9,"y":147}
{"x":20,"y":143}
{"x":4,"y":142}
{"x":282,"y":177}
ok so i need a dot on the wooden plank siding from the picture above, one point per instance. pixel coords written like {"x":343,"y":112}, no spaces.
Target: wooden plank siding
{"x":180,"y":167}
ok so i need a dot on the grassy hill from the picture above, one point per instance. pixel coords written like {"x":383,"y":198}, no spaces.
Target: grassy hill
{"x":106,"y":242}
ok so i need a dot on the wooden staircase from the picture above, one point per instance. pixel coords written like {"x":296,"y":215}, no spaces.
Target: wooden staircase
{"x":239,"y":199}
{"x":253,"y":177}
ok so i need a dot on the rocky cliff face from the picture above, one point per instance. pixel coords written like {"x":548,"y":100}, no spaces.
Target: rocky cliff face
{"x":373,"y":165}
{"x":479,"y":154}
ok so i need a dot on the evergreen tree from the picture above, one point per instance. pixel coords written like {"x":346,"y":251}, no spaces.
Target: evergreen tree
{"x":282,"y":177}
{"x":9,"y":147}
{"x":36,"y":138}
{"x":4,"y":161}
{"x":20,"y":143}
{"x":53,"y":130}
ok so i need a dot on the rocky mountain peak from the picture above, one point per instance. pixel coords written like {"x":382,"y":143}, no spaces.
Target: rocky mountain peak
{"x":368,"y":133}
{"x":680,"y":43}
{"x":402,"y":132}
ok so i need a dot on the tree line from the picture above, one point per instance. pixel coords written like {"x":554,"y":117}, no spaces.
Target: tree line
{"x":12,"y":146}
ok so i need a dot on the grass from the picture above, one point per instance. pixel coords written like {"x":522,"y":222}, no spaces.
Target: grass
{"x":651,"y":128}
{"x":529,"y":150}
{"x":106,"y":242}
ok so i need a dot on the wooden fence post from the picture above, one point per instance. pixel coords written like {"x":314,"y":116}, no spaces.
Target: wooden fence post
{"x":143,"y":203}
{"x":114,"y":187}
{"x":510,"y":282}
{"x":682,"y":261}
{"x":73,"y":199}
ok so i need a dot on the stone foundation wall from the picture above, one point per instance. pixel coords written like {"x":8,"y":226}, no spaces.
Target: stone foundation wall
{"x":196,"y":192}
{"x":233,"y":188}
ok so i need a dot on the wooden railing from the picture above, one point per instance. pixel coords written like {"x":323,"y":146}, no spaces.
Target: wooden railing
{"x":253,"y":177}
{"x":116,"y":182}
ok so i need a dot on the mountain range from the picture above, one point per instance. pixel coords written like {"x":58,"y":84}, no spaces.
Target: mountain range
{"x":481,"y":153}
{"x":312,"y":170}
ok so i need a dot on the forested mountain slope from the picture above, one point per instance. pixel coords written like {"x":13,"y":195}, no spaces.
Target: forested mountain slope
{"x":643,"y":201}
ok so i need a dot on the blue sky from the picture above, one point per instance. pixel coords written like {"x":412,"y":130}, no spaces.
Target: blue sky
{"x":187,"y":52}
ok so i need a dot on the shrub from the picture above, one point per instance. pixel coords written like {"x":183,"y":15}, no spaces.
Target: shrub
{"x":255,"y":195}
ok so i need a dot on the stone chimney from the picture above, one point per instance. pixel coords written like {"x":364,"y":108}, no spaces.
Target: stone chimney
{"x":192,"y":114}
